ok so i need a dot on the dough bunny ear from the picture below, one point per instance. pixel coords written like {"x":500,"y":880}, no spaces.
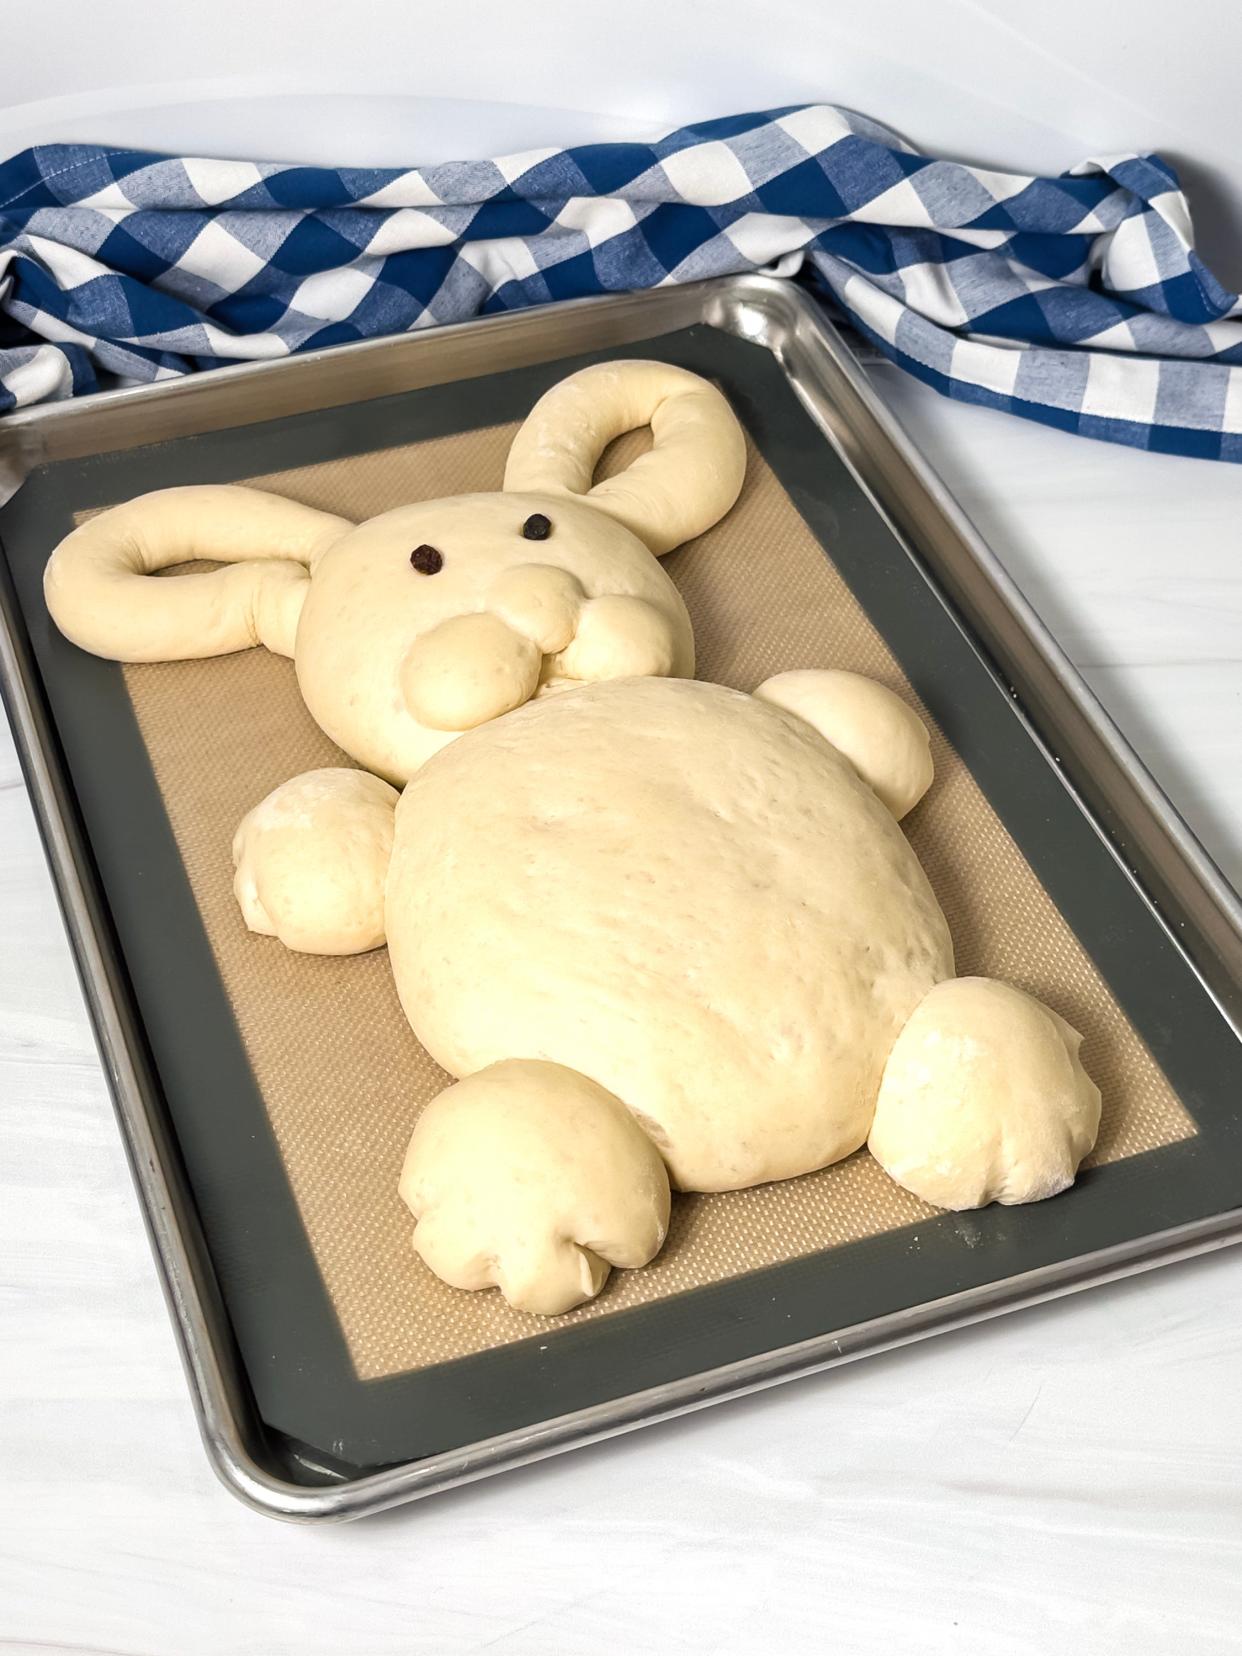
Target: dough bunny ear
{"x":687,"y":481}
{"x":100,"y":595}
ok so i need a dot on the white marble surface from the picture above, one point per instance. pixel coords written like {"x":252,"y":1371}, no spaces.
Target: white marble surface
{"x":1068,"y":1480}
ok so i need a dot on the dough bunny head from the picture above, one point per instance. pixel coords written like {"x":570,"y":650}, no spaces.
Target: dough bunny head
{"x":436,"y":617}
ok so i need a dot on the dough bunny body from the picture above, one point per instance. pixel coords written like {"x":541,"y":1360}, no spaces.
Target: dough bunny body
{"x":684,"y":894}
{"x":664,"y":933}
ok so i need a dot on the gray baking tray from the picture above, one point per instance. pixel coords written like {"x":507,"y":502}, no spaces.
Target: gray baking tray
{"x":288,"y":1424}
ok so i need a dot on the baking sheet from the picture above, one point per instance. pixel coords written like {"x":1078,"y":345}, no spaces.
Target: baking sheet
{"x":273,"y":1335}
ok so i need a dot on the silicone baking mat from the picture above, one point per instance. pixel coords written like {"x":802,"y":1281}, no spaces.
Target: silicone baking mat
{"x":341,"y":1074}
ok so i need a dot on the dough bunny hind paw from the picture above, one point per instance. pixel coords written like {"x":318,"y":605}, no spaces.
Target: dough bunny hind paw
{"x":984,"y":1099}
{"x":528,"y":1177}
{"x":311,"y":862}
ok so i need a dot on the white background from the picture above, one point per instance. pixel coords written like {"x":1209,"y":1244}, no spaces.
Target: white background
{"x":393,"y":82}
{"x":1068,"y":1480}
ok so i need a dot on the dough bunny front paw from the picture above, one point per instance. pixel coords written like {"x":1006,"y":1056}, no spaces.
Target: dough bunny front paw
{"x":530,"y":1178}
{"x":311,"y":862}
{"x":884,"y":740}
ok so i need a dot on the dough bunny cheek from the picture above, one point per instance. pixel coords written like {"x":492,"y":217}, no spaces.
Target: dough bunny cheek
{"x":664,"y":934}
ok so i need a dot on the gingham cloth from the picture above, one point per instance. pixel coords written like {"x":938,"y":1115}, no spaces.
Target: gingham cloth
{"x":1076,"y":300}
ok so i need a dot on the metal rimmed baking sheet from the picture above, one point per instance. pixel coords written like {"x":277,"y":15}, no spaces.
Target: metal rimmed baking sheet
{"x":1097,"y":840}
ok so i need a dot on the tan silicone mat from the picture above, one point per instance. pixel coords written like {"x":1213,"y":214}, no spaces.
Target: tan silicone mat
{"x":340,"y":1071}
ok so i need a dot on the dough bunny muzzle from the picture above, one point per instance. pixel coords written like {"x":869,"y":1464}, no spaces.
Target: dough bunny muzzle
{"x":666,"y":934}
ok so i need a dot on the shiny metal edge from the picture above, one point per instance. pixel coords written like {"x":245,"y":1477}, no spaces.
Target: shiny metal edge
{"x":200,"y":1325}
{"x":251,"y":392}
{"x":395,"y":1486}
{"x":821,"y":367}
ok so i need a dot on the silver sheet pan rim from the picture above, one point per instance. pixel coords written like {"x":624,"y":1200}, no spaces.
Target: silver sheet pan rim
{"x":827,"y":378}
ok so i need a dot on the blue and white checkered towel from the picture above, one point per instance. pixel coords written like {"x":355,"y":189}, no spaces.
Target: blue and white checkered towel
{"x":1077,"y":300}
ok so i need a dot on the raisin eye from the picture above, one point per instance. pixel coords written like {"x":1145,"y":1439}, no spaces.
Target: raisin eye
{"x":426,"y":560}
{"x":537,"y":527}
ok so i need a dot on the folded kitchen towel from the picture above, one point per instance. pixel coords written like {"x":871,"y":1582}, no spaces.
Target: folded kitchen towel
{"x":1076,"y":300}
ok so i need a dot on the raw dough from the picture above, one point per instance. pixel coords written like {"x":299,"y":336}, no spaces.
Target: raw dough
{"x":311,"y":861}
{"x":691,"y":475}
{"x":984,"y":1099}
{"x":469,"y":669}
{"x":386,"y":680}
{"x":680,"y":892}
{"x":98,"y":592}
{"x":569,"y":1186}
{"x":666,"y":930}
{"x":549,"y":583}
{"x":884,"y":740}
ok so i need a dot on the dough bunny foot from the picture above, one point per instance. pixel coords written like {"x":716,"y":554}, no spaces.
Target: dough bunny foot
{"x":530,"y":1178}
{"x":984,"y":1099}
{"x":312,"y":859}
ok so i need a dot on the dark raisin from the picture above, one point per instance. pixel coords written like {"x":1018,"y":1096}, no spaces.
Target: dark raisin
{"x":427,"y":560}
{"x":537,"y":527}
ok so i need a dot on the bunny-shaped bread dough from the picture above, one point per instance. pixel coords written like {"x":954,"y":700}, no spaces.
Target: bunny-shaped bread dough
{"x":663,"y":931}
{"x":435,"y":617}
